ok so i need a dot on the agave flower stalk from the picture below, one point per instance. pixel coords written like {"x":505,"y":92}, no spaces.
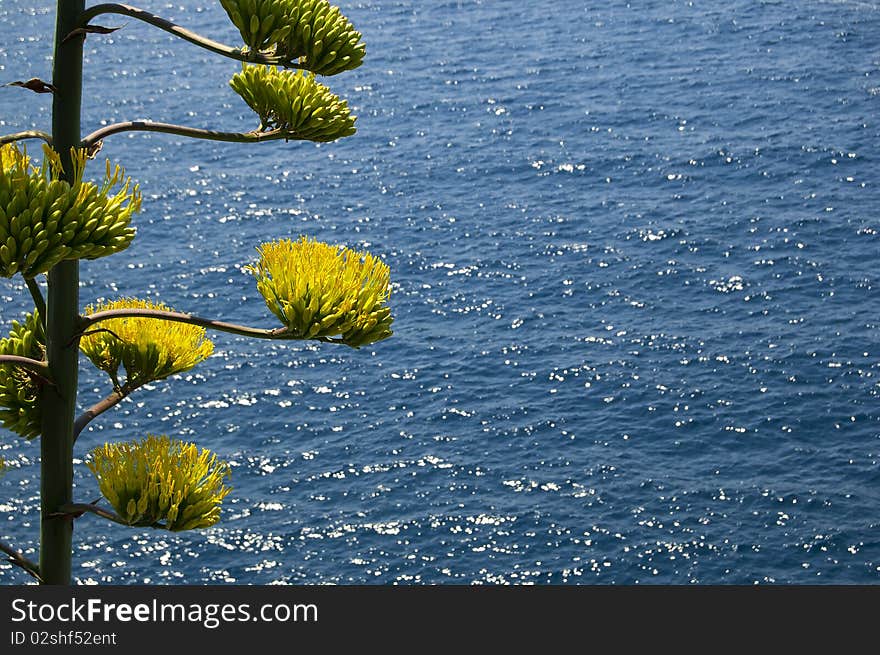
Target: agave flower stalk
{"x":52,"y":216}
{"x":58,"y":401}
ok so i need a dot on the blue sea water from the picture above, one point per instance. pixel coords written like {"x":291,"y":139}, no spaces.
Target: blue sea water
{"x":634,"y":250}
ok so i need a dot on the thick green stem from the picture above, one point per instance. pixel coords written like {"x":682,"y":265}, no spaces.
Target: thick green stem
{"x":58,"y":402}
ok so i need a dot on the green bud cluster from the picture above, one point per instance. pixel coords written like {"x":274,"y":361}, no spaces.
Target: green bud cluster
{"x":45,"y":220}
{"x":19,"y":391}
{"x":294,"y":102}
{"x":312,"y":31}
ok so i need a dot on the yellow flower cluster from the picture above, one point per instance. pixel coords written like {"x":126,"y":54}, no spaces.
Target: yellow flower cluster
{"x":319,"y":290}
{"x":313,"y":31}
{"x":148,"y":348}
{"x":19,"y":392}
{"x":161,"y":482}
{"x":44,"y":220}
{"x":294,"y":102}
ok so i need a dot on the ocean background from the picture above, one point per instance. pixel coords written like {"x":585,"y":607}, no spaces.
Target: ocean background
{"x":634,"y":249}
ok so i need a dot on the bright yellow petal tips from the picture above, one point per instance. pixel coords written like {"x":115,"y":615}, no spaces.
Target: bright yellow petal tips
{"x":149,"y":349}
{"x":44,"y":220}
{"x":19,"y":391}
{"x":319,"y":290}
{"x":160,"y":482}
{"x":294,"y":102}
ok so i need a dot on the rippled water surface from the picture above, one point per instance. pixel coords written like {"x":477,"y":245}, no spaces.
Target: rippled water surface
{"x":634,"y":249}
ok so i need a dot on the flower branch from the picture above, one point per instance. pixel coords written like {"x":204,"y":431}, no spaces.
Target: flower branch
{"x":33,"y":365}
{"x":28,"y":134}
{"x":196,"y":39}
{"x":182,"y":130}
{"x":21,"y":561}
{"x":180,"y":317}
{"x":111,"y":400}
{"x":75,"y":510}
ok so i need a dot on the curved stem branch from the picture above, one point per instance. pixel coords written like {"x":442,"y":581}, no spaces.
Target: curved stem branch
{"x":112,"y":399}
{"x":183,"y":130}
{"x":117,"y":395}
{"x":21,"y":136}
{"x":39,"y":301}
{"x":196,"y":39}
{"x":180,"y":317}
{"x":80,"y":335}
{"x":20,"y":560}
{"x":75,"y":510}
{"x":40,"y":368}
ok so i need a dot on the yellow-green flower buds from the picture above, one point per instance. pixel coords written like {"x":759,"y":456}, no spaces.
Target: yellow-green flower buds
{"x":161,"y":483}
{"x":312,"y":31}
{"x":294,"y":102}
{"x":44,"y":220}
{"x":148,"y":348}
{"x":319,"y":290}
{"x":19,"y":391}
{"x":263,"y":24}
